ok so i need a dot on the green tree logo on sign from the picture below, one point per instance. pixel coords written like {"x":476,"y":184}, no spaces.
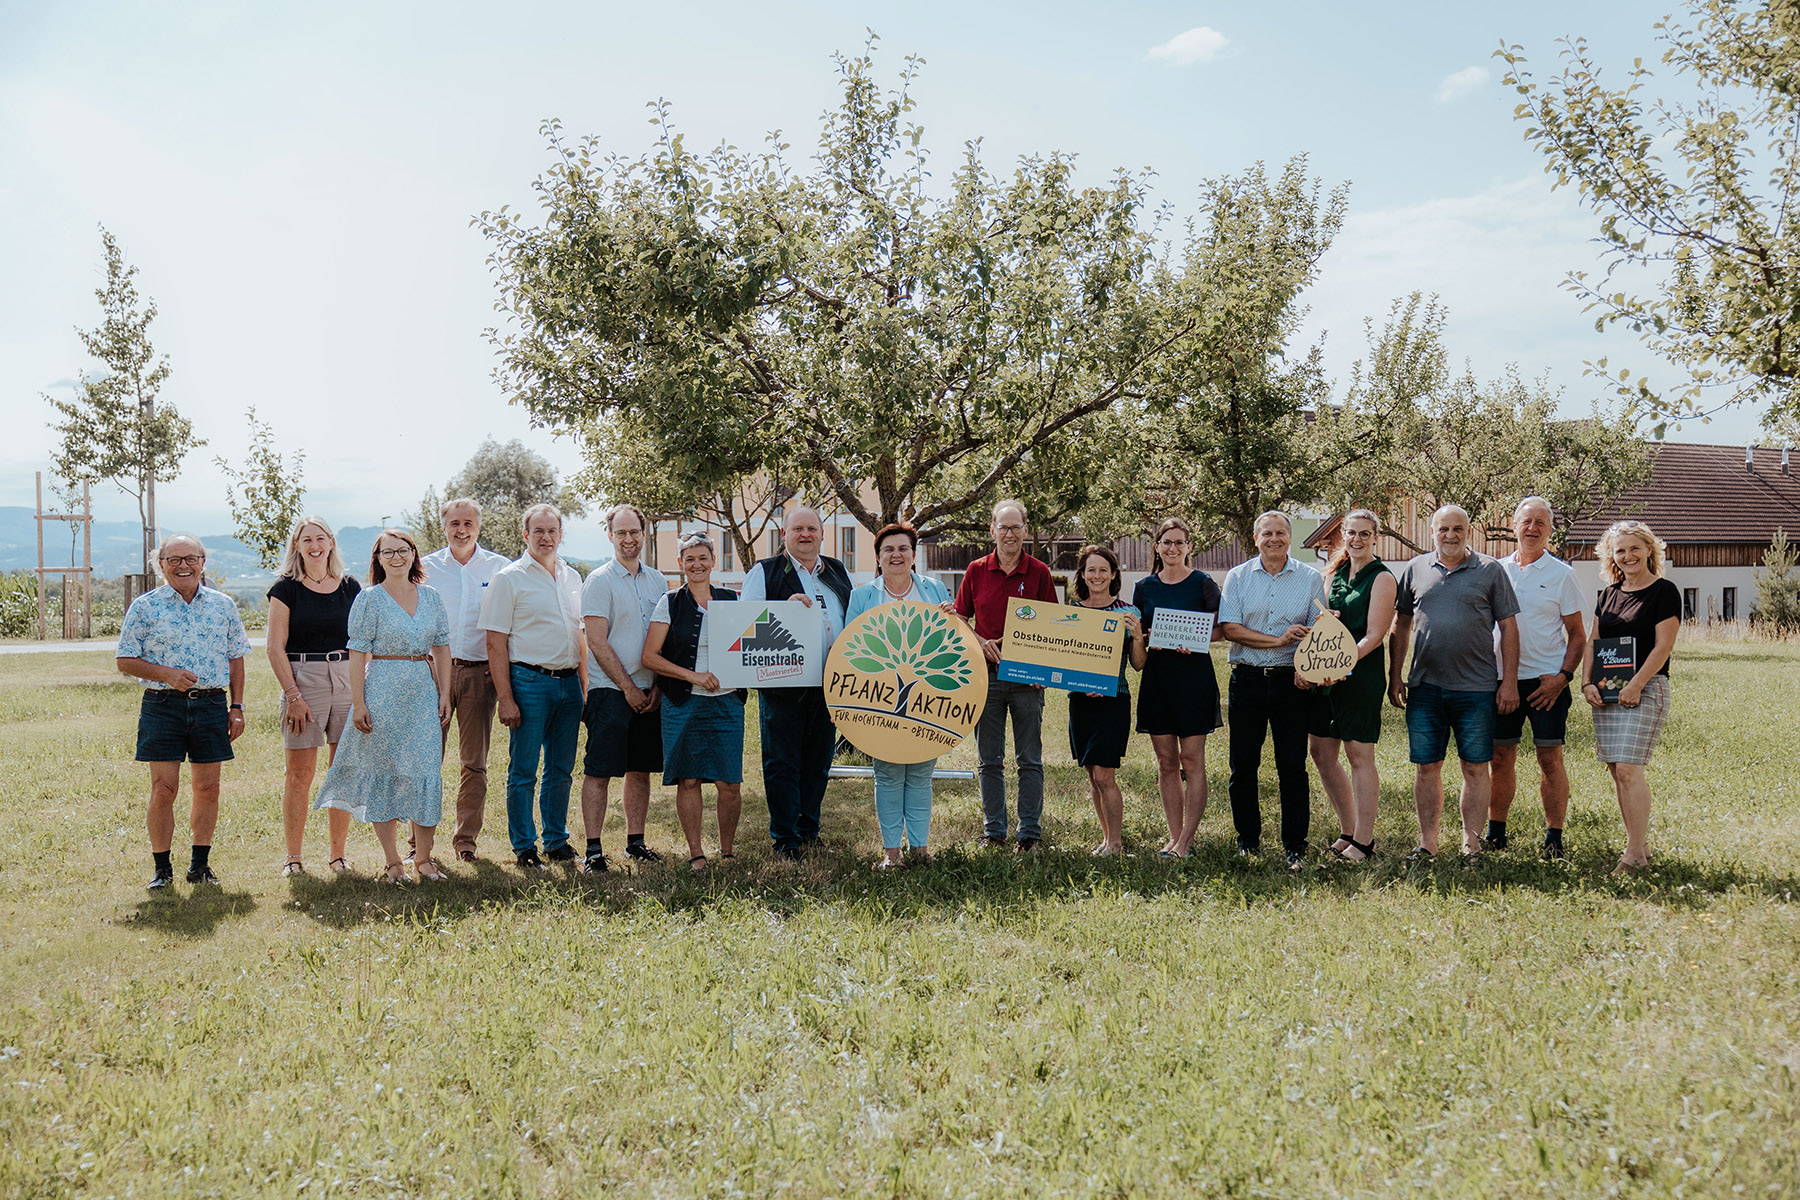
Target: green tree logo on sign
{"x":923,"y":644}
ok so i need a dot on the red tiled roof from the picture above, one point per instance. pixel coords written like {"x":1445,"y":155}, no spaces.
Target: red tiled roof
{"x":1701,"y":493}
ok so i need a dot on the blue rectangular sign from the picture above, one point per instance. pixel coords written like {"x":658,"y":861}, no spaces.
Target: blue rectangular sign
{"x":1058,"y":677}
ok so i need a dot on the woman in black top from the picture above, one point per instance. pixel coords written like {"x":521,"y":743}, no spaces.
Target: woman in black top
{"x":1100,"y":725}
{"x":1178,"y":696}
{"x":309,"y":630}
{"x":1639,"y":604}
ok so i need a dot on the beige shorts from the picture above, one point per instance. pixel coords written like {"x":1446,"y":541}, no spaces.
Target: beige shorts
{"x":325,"y":686}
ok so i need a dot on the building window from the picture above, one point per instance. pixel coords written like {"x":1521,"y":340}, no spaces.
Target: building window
{"x":1690,"y":604}
{"x":650,"y":544}
{"x":725,"y":550}
{"x":1728,"y":601}
{"x":848,"y":532}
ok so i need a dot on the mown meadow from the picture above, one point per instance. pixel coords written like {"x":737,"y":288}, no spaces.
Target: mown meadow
{"x":989,"y":1025}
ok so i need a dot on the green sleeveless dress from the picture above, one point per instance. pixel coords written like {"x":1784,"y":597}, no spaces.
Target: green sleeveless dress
{"x":1355,"y":704}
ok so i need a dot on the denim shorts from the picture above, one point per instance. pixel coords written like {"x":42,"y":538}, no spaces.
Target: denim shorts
{"x":173,"y":728}
{"x":1432,"y":713}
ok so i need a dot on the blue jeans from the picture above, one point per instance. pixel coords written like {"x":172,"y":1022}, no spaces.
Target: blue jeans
{"x":1026,"y":704}
{"x":549,"y":728}
{"x":903,"y":802}
{"x":1432,"y":712}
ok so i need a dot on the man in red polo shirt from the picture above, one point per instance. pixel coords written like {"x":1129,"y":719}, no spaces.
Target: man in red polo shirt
{"x":990,"y":582}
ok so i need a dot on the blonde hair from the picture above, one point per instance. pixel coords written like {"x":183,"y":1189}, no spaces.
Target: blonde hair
{"x":1608,"y":548}
{"x":293,"y":566}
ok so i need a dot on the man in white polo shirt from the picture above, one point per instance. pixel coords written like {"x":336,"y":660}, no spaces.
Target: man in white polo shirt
{"x":1551,"y":642}
{"x":461,"y":572}
{"x":624,"y":706}
{"x":532,"y":616}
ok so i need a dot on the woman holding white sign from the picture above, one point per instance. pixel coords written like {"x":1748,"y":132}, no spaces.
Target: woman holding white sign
{"x":1347,"y":713}
{"x":1100,"y":725}
{"x":1179,"y":704}
{"x":702,"y":724}
{"x":902,"y":790}
{"x":1640,"y":605}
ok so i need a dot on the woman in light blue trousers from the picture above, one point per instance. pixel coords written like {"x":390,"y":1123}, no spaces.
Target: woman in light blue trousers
{"x":902,"y":790}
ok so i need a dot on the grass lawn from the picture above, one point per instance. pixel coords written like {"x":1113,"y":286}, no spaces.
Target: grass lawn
{"x":989,"y":1025}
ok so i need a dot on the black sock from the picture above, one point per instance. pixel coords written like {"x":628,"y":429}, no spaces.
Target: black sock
{"x":162,"y":862}
{"x":593,"y":845}
{"x":1552,"y":837}
{"x":634,"y":839}
{"x":1496,"y":829}
{"x":200,"y":853}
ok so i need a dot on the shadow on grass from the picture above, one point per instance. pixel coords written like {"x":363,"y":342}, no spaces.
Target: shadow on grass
{"x":1002,"y":884}
{"x":194,"y":914}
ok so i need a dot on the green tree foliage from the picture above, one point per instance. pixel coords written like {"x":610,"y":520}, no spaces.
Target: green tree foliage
{"x":1778,"y":587}
{"x":505,"y":480}
{"x":265,"y":494}
{"x":923,"y":337}
{"x":113,"y":429}
{"x":1694,"y":177}
{"x":627,"y":464}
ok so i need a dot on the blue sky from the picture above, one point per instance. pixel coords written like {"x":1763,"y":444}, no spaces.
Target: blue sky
{"x":295,"y":182}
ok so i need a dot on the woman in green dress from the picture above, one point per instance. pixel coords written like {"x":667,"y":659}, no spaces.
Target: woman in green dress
{"x":1347,"y":713}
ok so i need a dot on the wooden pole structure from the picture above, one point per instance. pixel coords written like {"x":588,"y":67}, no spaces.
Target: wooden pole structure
{"x":77,"y":582}
{"x":87,"y":563}
{"x":43,"y":632}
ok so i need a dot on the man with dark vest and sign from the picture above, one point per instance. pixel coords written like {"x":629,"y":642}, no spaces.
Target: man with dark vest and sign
{"x":797,"y":733}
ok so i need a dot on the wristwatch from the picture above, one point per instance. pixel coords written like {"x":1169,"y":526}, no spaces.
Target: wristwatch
{"x":239,"y":707}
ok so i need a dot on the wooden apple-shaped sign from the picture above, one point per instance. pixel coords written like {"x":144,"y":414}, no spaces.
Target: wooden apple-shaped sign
{"x":1328,"y":651}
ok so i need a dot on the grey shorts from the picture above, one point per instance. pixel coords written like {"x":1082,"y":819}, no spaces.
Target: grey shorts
{"x":325,"y":686}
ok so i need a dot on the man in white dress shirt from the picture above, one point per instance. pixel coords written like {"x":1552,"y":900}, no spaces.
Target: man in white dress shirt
{"x":536,"y":656}
{"x":1551,"y":643}
{"x":461,"y":572}
{"x":797,"y":734}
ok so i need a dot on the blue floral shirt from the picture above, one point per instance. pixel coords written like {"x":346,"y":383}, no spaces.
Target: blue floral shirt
{"x":202,"y":636}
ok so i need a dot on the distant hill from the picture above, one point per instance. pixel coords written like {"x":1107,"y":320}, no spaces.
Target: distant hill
{"x":228,"y":561}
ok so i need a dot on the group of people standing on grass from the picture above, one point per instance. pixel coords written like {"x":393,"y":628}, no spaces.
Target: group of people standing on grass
{"x":375,"y":675}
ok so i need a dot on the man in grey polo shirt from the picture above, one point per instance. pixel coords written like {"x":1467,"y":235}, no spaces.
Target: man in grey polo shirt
{"x":623,"y":713}
{"x":1448,"y":604}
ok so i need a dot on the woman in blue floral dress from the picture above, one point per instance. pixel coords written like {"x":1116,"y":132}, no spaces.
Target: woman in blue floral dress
{"x":389,"y":762}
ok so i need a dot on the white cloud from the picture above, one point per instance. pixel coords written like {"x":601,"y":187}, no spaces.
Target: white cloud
{"x":1465,"y":82}
{"x":1199,"y":44}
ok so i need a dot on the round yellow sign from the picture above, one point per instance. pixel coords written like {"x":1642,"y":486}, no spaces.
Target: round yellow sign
{"x":905,"y":682}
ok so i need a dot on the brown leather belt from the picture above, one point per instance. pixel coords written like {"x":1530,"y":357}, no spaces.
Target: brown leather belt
{"x":400,"y":657}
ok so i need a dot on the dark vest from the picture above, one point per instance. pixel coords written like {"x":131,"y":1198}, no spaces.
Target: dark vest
{"x":781,"y":580}
{"x":681,"y":645}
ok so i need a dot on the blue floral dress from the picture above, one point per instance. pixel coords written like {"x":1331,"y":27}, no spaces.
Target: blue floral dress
{"x":394,"y":772}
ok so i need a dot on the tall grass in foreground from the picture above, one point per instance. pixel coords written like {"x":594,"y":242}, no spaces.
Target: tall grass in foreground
{"x":990,"y":1025}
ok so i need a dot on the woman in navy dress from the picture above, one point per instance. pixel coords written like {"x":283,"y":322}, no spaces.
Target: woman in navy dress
{"x":1178,"y":700}
{"x":389,"y":762}
{"x":1100,"y":725}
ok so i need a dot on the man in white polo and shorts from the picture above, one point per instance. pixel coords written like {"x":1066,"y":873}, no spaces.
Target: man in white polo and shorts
{"x":1551,"y":641}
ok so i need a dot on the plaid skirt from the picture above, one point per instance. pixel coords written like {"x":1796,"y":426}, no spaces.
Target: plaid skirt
{"x":1628,"y":735}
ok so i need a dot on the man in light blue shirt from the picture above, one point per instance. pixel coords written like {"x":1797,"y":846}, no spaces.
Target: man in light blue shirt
{"x":1268,"y":604}
{"x":798,"y":737}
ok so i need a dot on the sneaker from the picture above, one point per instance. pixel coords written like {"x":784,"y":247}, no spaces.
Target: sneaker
{"x":530,"y":861}
{"x":594,"y":864}
{"x":1028,"y":844}
{"x":1494,"y":841}
{"x":993,"y":843}
{"x":160,"y":881}
{"x":1295,"y":860}
{"x":563,"y":853}
{"x":1244,"y":851}
{"x":1554,"y":852}
{"x":641,"y":852}
{"x":788,"y":853}
{"x":202,"y":875}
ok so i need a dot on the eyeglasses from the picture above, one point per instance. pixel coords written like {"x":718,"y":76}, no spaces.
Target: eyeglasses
{"x":1173,"y":542}
{"x":400,"y":552}
{"x":1009,"y":529}
{"x":184,"y":560}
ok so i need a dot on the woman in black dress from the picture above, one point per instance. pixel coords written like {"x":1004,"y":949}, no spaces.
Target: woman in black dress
{"x":1178,"y":704}
{"x":1100,"y":725}
{"x":308,"y":647}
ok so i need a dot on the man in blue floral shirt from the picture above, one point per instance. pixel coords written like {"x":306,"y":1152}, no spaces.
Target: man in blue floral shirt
{"x":187,"y":643}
